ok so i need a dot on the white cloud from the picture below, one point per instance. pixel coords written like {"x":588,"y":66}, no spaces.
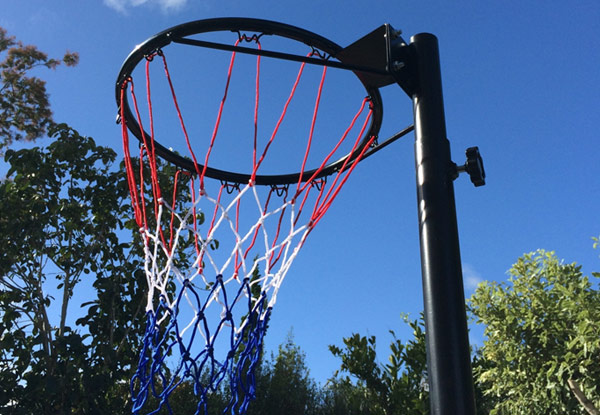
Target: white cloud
{"x":123,"y":6}
{"x":115,"y":4}
{"x":471,"y":277}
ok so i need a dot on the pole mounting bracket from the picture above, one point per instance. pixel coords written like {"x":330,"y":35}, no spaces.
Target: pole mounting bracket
{"x":389,"y":57}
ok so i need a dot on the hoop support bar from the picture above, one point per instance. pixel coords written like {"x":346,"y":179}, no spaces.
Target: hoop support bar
{"x":448,"y":352}
{"x":278,"y":55}
{"x":388,"y":141}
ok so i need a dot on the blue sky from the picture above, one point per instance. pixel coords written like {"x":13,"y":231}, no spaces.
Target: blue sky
{"x":520,"y":81}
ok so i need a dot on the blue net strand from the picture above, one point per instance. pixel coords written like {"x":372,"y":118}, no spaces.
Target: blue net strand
{"x":173,"y":354}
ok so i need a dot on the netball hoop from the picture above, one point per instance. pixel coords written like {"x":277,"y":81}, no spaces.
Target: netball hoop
{"x":256,"y":166}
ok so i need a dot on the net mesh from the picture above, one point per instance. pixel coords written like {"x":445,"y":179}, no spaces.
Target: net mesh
{"x":216,"y":253}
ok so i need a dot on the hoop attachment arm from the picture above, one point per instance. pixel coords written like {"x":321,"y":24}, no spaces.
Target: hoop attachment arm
{"x":389,"y":57}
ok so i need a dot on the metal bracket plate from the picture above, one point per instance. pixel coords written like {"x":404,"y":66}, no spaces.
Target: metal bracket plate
{"x":385,"y":51}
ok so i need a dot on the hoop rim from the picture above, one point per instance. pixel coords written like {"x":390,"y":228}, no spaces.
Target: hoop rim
{"x":237,"y":24}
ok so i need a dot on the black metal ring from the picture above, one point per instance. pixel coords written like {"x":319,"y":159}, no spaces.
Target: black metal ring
{"x":164,"y":38}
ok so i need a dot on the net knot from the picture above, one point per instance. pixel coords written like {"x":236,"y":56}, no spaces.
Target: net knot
{"x":150,"y":56}
{"x":126,"y":81}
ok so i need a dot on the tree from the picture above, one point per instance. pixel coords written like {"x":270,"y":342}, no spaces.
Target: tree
{"x":25,"y":112}
{"x":64,"y":218}
{"x":284,"y":385}
{"x":542,"y":350}
{"x":61,"y":208}
{"x":364,"y":386}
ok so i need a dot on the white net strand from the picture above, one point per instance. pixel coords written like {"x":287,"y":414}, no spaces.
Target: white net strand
{"x":280,"y":245}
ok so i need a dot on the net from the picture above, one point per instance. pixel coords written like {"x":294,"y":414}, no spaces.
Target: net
{"x":217,"y":251}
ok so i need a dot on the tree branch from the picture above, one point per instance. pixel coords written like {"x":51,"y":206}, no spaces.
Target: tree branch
{"x":65,"y":303}
{"x":44,"y":326}
{"x":581,"y":398}
{"x":66,"y":290}
{"x":12,"y":285}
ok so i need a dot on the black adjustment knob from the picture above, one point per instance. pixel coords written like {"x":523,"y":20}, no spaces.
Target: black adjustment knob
{"x":474,"y":166}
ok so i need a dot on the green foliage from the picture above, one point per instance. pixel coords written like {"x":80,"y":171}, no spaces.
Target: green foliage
{"x":364,"y":386}
{"x":542,"y":338}
{"x":61,"y":208}
{"x":284,"y":385}
{"x":184,"y":400}
{"x":24,"y":108}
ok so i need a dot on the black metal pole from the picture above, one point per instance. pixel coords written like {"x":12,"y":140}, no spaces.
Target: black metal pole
{"x":448,"y":353}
